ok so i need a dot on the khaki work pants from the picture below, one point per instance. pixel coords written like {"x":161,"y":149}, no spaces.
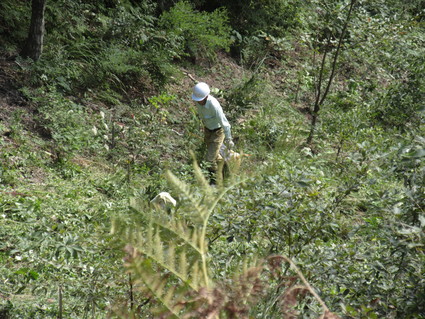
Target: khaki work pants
{"x":213,"y":141}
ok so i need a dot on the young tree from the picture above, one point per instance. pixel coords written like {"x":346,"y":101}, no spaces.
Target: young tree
{"x":321,"y":95}
{"x":34,"y":44}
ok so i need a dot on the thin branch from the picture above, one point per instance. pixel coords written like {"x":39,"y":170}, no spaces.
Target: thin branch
{"x":341,"y":38}
{"x":60,"y":301}
{"x":306,"y":283}
{"x":319,"y":84}
{"x":190,"y":76}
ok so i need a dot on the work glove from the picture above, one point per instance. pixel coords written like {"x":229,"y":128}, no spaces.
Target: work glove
{"x":229,"y":143}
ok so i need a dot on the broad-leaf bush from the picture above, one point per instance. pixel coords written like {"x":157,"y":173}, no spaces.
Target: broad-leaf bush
{"x":107,"y":102}
{"x":198,"y":34}
{"x":275,"y":17}
{"x":67,"y":123}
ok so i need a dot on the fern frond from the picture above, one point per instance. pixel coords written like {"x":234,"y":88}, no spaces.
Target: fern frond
{"x":181,"y":231}
{"x":160,"y":255}
{"x":202,"y":181}
{"x":149,"y":241}
{"x":168,"y":297}
{"x":183,"y":266}
{"x":183,"y":189}
{"x":155,"y":286}
{"x":171,"y":258}
{"x":159,"y":249}
{"x":172,"y":249}
{"x":196,"y":282}
{"x":158,"y":243}
{"x":151,"y":244}
{"x":171,"y":223}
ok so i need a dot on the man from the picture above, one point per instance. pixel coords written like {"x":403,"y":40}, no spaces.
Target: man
{"x":216,"y":126}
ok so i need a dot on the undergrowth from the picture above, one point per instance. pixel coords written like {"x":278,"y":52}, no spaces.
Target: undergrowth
{"x":331,"y":228}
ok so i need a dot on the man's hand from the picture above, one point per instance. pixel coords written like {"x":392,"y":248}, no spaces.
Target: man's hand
{"x":229,"y":143}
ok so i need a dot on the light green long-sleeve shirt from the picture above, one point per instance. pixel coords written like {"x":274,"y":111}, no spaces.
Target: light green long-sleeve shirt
{"x":213,"y":117}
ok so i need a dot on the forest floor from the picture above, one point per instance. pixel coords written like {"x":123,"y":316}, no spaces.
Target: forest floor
{"x":11,"y":99}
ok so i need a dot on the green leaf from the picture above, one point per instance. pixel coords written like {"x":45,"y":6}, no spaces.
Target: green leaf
{"x":22,"y":271}
{"x":33,"y":275}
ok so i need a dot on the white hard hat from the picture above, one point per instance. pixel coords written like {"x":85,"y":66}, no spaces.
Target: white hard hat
{"x":200,"y":91}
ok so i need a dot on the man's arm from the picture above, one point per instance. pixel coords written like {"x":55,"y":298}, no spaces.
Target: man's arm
{"x":224,"y":122}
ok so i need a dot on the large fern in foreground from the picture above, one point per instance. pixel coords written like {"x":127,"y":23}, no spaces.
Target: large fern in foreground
{"x":168,"y":254}
{"x":167,"y":257}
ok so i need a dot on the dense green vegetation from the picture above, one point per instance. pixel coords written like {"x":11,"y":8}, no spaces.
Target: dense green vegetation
{"x":103,"y":122}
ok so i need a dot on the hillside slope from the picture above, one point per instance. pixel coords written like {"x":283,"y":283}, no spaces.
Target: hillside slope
{"x":90,"y":133}
{"x":11,"y":99}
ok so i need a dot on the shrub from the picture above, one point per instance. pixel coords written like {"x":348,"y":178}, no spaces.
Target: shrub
{"x":198,"y":34}
{"x":401,"y":105}
{"x":66,"y":122}
{"x":118,"y":50}
{"x":14,"y":22}
{"x":275,"y":17}
{"x":271,"y":16}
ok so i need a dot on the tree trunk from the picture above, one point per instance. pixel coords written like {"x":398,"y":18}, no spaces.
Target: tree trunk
{"x":34,"y":43}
